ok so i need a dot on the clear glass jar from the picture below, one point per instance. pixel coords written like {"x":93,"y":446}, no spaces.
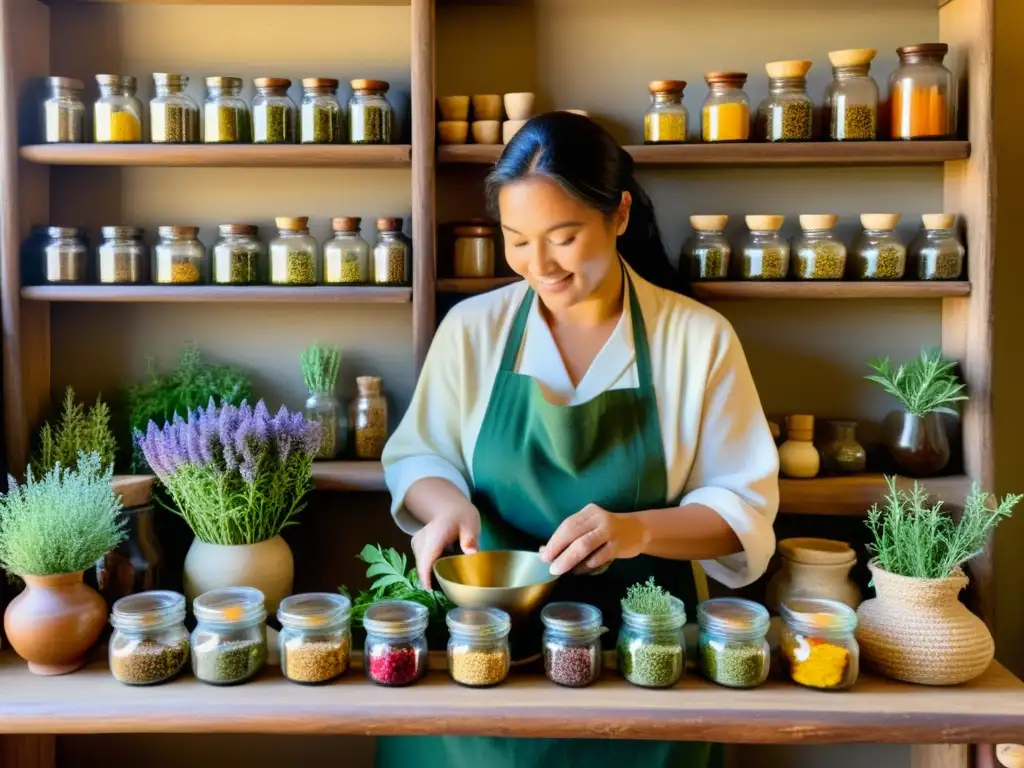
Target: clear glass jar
{"x":294,"y":253}
{"x":817,"y":253}
{"x":666,"y":120}
{"x":733,"y":649}
{"x":923,"y":94}
{"x":323,"y":119}
{"x":64,"y":255}
{"x":572,"y":643}
{"x":478,"y":650}
{"x":725,"y":115}
{"x":179,"y":258}
{"x":392,"y":254}
{"x":787,"y":113}
{"x":347,"y":254}
{"x":818,"y":646}
{"x":851,"y":99}
{"x":63,"y":111}
{"x":117,"y":114}
{"x":149,"y":644}
{"x":315,"y":639}
{"x":707,"y":250}
{"x":273,"y":112}
{"x":229,"y":643}
{"x":121,"y":257}
{"x":651,"y":650}
{"x":226,"y":118}
{"x":396,"y":642}
{"x":937,"y":253}
{"x":843,"y":455}
{"x":369,"y":417}
{"x":173,"y":114}
{"x":765,"y":254}
{"x":237,"y":255}
{"x":370,"y":117}
{"x":878,"y":253}
{"x":474,"y":251}
{"x":325,"y":410}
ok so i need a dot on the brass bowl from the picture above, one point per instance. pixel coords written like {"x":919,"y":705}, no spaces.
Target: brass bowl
{"x":518,"y":582}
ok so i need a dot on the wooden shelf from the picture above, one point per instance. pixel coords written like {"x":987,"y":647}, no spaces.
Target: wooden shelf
{"x":473,"y":284}
{"x":263,"y":294}
{"x":348,"y":476}
{"x":811,"y":153}
{"x":853,"y":496}
{"x":220,"y":155}
{"x":812,"y":289}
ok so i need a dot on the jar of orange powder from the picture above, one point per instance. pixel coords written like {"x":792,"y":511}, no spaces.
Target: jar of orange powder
{"x":923,"y":96}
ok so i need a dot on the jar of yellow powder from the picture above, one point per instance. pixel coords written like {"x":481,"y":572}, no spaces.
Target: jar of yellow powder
{"x":666,"y":119}
{"x":117,"y":114}
{"x":179,"y":258}
{"x":725,"y":115}
{"x":818,"y":646}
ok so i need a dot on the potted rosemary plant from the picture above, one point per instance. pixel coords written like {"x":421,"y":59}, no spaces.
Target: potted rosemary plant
{"x":80,"y":431}
{"x":915,"y":629}
{"x":320,"y":373}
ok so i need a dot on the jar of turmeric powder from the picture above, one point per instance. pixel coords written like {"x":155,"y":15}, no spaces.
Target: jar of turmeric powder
{"x":666,"y":120}
{"x":117,"y":113}
{"x":818,"y":646}
{"x":725,"y":115}
{"x":923,"y":96}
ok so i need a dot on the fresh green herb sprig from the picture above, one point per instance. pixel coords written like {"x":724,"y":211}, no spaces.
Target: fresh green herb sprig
{"x":320,"y":368}
{"x":79,"y":431}
{"x":393,"y":579}
{"x":922,"y":386}
{"x":648,"y":599}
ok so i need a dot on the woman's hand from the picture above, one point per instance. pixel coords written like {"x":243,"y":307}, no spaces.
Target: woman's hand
{"x":460,"y":524}
{"x":592,"y":538}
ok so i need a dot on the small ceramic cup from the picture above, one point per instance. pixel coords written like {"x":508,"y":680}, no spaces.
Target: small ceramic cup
{"x":453,"y":131}
{"x":509,"y":129}
{"x":519,"y":106}
{"x":486,"y":106}
{"x":486,"y":131}
{"x":454,"y":108}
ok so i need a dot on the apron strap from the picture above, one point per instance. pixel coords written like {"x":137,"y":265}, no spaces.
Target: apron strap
{"x":516,"y":333}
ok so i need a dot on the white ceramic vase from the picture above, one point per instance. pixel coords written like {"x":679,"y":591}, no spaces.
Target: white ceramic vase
{"x":267,"y":566}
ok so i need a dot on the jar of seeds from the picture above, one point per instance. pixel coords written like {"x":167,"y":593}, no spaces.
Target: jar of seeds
{"x":121,"y":257}
{"x":273,"y":112}
{"x":396,"y":644}
{"x":478,"y":650}
{"x":294,"y":253}
{"x":666,"y":120}
{"x":651,"y":650}
{"x":923,"y":94}
{"x":474,"y":250}
{"x":117,"y":114}
{"x":392,"y":254}
{"x":707,"y":250}
{"x":236,"y":255}
{"x":315,"y":639}
{"x":818,"y":646}
{"x":179,"y":258}
{"x":63,"y":115}
{"x":817,"y":253}
{"x":733,"y":648}
{"x":878,"y":253}
{"x":229,"y":644}
{"x":226,"y":118}
{"x":322,"y":116}
{"x":851,"y":100}
{"x":786,"y":114}
{"x":725,"y":115}
{"x":370,"y":117}
{"x":346,"y":255}
{"x":572,"y":643}
{"x":64,"y":255}
{"x":843,"y":455}
{"x":369,"y":417}
{"x":149,"y":644}
{"x":173,"y":115}
{"x":936,"y":253}
{"x":765,"y":254}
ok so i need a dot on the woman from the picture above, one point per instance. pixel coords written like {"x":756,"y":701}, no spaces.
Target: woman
{"x":588,"y":411}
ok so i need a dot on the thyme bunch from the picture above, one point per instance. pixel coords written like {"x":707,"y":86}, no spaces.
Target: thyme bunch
{"x":648,"y":599}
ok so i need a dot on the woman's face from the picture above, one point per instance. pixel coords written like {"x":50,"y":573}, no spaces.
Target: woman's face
{"x":562,"y":247}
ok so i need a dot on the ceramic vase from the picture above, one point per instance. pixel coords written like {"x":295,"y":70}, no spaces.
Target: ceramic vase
{"x":814,"y":568}
{"x":267,"y":566}
{"x":54,"y":622}
{"x":918,"y":444}
{"x":917,"y":630}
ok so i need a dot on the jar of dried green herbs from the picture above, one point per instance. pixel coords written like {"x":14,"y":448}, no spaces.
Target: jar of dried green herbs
{"x":732,"y":645}
{"x":179,"y":258}
{"x":392,"y":254}
{"x":936,"y":253}
{"x":786,"y":114}
{"x":370,"y":117}
{"x":851,"y":101}
{"x":369,"y":417}
{"x":117,"y":113}
{"x":150,"y":644}
{"x":322,"y":119}
{"x":273,"y":112}
{"x":64,"y":255}
{"x":121,"y":257}
{"x":226,"y":118}
{"x":294,"y":252}
{"x":817,"y":253}
{"x":706,"y":253}
{"x":320,"y":373}
{"x":315,"y":640}
{"x":173,"y":115}
{"x":63,"y":115}
{"x":346,"y":255}
{"x":229,"y":644}
{"x":236,"y":255}
{"x":765,"y":254}
{"x":651,"y":651}
{"x":878,"y":253}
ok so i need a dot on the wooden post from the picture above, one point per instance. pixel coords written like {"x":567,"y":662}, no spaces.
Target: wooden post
{"x":424,"y":227}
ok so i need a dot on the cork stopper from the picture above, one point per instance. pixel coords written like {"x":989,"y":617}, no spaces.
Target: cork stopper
{"x":800,"y":427}
{"x":765,"y":222}
{"x":709,"y":223}
{"x":346,"y":223}
{"x":273,"y":83}
{"x":389,"y":225}
{"x":784,"y":69}
{"x":473,"y":230}
{"x":852,"y":57}
{"x":292,"y":224}
{"x":178,"y":233}
{"x":375,"y":86}
{"x":731,"y":79}
{"x":666,"y":86}
{"x":369,"y":385}
{"x":818,"y":220}
{"x":320,"y":83}
{"x":238,"y":229}
{"x":817,"y":551}
{"x":923,"y":49}
{"x":220,"y":81}
{"x":938,"y":220}
{"x":880,"y":220}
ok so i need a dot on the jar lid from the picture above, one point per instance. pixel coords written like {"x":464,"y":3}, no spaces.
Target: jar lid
{"x":818,"y":220}
{"x":230,"y":605}
{"x":320,"y":83}
{"x":120,"y":232}
{"x":923,"y":49}
{"x":178,"y":233}
{"x":571,"y":618}
{"x":778,"y":70}
{"x":125,"y":81}
{"x":734,"y":79}
{"x":938,"y":220}
{"x":479,"y":622}
{"x":292,"y":224}
{"x":733,"y":615}
{"x":69,"y":83}
{"x":238,"y":229}
{"x":368,"y":385}
{"x":709,"y":222}
{"x":171,"y":80}
{"x":764,"y":222}
{"x":272,"y":82}
{"x":800,"y":423}
{"x":666,"y":86}
{"x":63,"y":231}
{"x":378,"y":86}
{"x":396,"y":617}
{"x":809,"y":551}
{"x":473,"y":230}
{"x":389,"y":225}
{"x":313,"y":610}
{"x":812,"y":615}
{"x":148,"y":609}
{"x":221,"y":81}
{"x":880,"y":220}
{"x":852,"y":57}
{"x":346,"y":223}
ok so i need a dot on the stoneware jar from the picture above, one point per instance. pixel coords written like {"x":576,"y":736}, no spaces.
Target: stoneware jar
{"x":267,"y":566}
{"x":814,"y":569}
{"x":797,"y":456}
{"x":917,"y":631}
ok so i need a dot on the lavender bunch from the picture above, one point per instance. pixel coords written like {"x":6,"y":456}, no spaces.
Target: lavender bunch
{"x":237,"y":475}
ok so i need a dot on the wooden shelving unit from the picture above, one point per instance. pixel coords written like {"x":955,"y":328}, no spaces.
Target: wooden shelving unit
{"x":178,"y":294}
{"x":219,"y":155}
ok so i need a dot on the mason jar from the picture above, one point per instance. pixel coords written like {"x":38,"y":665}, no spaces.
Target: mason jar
{"x":851,"y":100}
{"x":765,"y":254}
{"x":923,"y":94}
{"x":878,"y":253}
{"x":179,"y":258}
{"x":706,"y":252}
{"x":725,"y":115}
{"x":392,"y":254}
{"x":786,"y":113}
{"x":226,"y":118}
{"x":236,"y":255}
{"x":818,"y":646}
{"x":396,"y":643}
{"x":117,"y":114}
{"x":369,"y":417}
{"x":478,"y":650}
{"x":572,"y":643}
{"x":121,"y":257}
{"x":347,"y":254}
{"x":315,"y":641}
{"x":817,"y":253}
{"x":64,"y":255}
{"x":370,"y":117}
{"x":229,"y":643}
{"x":273,"y":112}
{"x":324,"y":410}
{"x":651,"y":650}
{"x":733,"y":649}
{"x":149,"y":644}
{"x":294,"y":253}
{"x":474,"y":251}
{"x":322,"y":117}
{"x":666,"y":120}
{"x":63,"y":111}
{"x":936,"y":253}
{"x":173,"y":114}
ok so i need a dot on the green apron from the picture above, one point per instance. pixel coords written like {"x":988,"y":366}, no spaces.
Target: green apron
{"x":535,"y":464}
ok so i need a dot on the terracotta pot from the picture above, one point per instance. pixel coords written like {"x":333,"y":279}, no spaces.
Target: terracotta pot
{"x":267,"y":566}
{"x":916,"y":630}
{"x":918,"y":444}
{"x":814,"y":568}
{"x":54,"y":622}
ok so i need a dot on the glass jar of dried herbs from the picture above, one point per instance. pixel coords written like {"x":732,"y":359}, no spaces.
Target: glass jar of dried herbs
{"x":651,"y":650}
{"x":369,"y":417}
{"x":666,"y":120}
{"x":229,"y":643}
{"x":817,"y":253}
{"x":706,"y":253}
{"x":851,"y":101}
{"x":179,"y":258}
{"x":878,"y":253}
{"x":346,"y":255}
{"x":818,"y":646}
{"x":117,"y":113}
{"x":572,"y":643}
{"x":370,"y":117}
{"x":237,"y":255}
{"x":150,"y":644}
{"x":121,"y":257}
{"x":64,"y":255}
{"x":936,"y":253}
{"x":733,"y":648}
{"x":392,"y":254}
{"x":294,"y":256}
{"x":315,"y":639}
{"x":395,"y":653}
{"x":786,"y":114}
{"x":323,"y":119}
{"x":478,"y":649}
{"x":173,"y":115}
{"x":273,"y":112}
{"x":63,"y":118}
{"x":226,"y":118}
{"x":765,"y":254}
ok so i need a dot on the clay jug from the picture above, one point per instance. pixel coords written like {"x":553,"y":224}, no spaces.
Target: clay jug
{"x":814,"y":568}
{"x":267,"y":566}
{"x":916,"y":630}
{"x":54,"y":622}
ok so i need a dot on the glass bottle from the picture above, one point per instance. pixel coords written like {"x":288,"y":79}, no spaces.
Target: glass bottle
{"x":369,"y":417}
{"x":173,"y":114}
{"x":797,"y":456}
{"x":347,"y":254}
{"x":136,"y":564}
{"x":666,"y":120}
{"x":923,"y":94}
{"x":370,"y":117}
{"x":396,"y":642}
{"x":478,"y":650}
{"x":64,"y":255}
{"x":878,"y":253}
{"x":322,"y":117}
{"x":226,"y":118}
{"x":651,"y":650}
{"x":63,"y":111}
{"x":150,"y":644}
{"x":707,"y":250}
{"x":818,"y":646}
{"x":392,"y":254}
{"x":273,"y":112}
{"x":572,"y":643}
{"x":725,"y":115}
{"x":179,"y":258}
{"x":843,"y":455}
{"x":117,"y":113}
{"x":733,"y":648}
{"x":765,"y":254}
{"x":851,"y":100}
{"x":936,"y":253}
{"x":229,"y":643}
{"x":315,"y":641}
{"x":294,"y":253}
{"x":121,"y":257}
{"x":236,"y":255}
{"x":474,"y":251}
{"x":325,"y":410}
{"x":817,"y":253}
{"x":787,"y":113}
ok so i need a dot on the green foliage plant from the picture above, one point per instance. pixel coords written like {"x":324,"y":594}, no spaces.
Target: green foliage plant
{"x":320,"y":368}
{"x":648,"y":599}
{"x":393,"y":579}
{"x":79,"y":431}
{"x":922,"y":386}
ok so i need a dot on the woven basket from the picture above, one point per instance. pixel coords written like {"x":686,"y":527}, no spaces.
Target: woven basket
{"x":916,"y":630}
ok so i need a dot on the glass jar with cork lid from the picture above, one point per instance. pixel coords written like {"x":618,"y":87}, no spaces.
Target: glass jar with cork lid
{"x":64,"y":255}
{"x":370,"y":117}
{"x":797,"y":456}
{"x":369,"y":418}
{"x":117,"y":113}
{"x":321,"y":116}
{"x":706,"y":252}
{"x":787,"y":113}
{"x":474,"y":250}
{"x":173,"y":114}
{"x":879,"y":252}
{"x":392,"y":256}
{"x":121,"y":257}
{"x":273,"y":111}
{"x":226,"y":118}
{"x":237,"y":255}
{"x":63,"y":115}
{"x":294,"y":253}
{"x":936,"y":253}
{"x":817,"y":253}
{"x":765,"y":254}
{"x":851,"y":100}
{"x":347,"y":254}
{"x":923,"y":94}
{"x":179,"y":258}
{"x":725,"y":115}
{"x":666,"y":120}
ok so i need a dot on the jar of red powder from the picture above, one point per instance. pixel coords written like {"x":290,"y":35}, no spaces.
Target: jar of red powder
{"x":572,"y":643}
{"x":396,"y":643}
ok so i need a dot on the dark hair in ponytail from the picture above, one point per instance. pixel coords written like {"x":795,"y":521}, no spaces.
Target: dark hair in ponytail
{"x":591,"y":166}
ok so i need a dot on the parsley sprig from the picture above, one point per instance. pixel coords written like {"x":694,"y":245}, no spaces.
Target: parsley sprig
{"x":393,"y":579}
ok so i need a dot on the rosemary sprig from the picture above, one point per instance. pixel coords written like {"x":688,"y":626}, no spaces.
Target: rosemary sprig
{"x":320,"y":368}
{"x":921,"y":386}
